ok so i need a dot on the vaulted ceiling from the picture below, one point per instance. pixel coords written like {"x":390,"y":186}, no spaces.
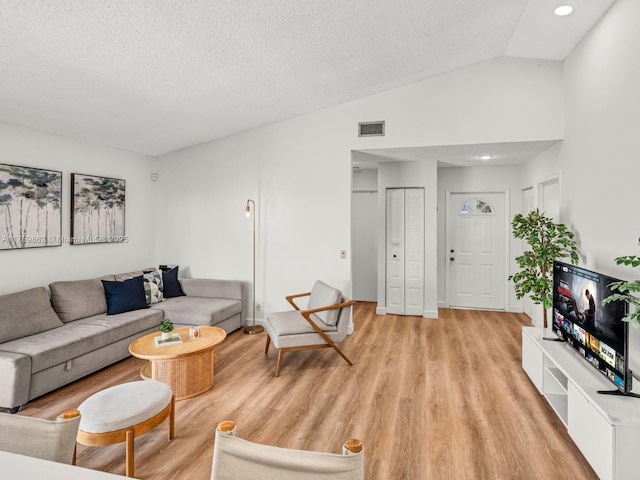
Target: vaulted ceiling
{"x":157,"y":76}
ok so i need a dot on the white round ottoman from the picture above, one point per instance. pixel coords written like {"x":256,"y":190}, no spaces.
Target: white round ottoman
{"x":124,"y":412}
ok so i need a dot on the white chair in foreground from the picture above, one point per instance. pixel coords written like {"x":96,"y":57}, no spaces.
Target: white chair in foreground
{"x":53,"y":440}
{"x":323,"y":324}
{"x":238,"y":459}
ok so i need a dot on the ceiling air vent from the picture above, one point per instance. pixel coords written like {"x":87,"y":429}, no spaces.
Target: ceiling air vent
{"x":371,"y":129}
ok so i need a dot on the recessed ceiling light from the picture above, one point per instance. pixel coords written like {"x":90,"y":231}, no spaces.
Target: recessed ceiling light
{"x":563,"y":10}
{"x":485,"y":157}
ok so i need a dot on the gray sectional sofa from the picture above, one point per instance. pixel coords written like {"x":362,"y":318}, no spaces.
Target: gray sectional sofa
{"x":47,"y":341}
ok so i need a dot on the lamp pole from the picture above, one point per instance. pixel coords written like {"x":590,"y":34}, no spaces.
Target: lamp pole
{"x":253,"y":328}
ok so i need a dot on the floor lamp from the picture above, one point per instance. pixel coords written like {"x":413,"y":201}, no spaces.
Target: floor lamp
{"x":253,"y":328}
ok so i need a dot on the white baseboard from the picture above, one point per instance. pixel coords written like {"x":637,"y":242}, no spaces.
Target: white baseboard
{"x":442,"y":304}
{"x":516,"y":309}
{"x":429,"y":314}
{"x":381,"y":310}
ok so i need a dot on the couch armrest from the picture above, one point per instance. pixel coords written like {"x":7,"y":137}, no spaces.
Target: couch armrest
{"x":206,"y":287}
{"x":15,"y":372}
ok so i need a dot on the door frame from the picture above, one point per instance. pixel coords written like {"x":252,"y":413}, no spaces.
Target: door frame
{"x":507,"y":238}
{"x":526,"y":305}
{"x":357,"y":248}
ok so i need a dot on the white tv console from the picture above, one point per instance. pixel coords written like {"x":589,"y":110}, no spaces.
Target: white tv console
{"x":606,"y":428}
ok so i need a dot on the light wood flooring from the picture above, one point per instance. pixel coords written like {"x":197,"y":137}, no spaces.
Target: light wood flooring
{"x":430,"y":399}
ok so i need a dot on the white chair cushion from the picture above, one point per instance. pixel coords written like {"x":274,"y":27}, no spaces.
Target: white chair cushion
{"x":322,"y":295}
{"x":123,"y":406}
{"x":290,"y":329}
{"x":293,"y":323}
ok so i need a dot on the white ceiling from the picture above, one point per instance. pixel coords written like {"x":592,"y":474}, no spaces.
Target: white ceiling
{"x":156,"y":76}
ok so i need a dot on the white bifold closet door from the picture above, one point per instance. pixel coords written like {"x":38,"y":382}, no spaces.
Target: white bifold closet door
{"x":405,"y":251}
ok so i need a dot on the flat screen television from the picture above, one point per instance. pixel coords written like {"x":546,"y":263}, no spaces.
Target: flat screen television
{"x":596,"y":332}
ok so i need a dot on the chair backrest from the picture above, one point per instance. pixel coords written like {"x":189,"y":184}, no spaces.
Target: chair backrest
{"x":238,"y":459}
{"x":323,"y":295}
{"x":34,"y":437}
{"x":343,"y":320}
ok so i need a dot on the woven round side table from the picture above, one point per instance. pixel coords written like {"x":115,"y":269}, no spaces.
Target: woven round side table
{"x":187,"y":367}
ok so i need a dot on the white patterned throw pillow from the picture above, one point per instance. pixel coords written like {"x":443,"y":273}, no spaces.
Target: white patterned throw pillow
{"x":153,"y":287}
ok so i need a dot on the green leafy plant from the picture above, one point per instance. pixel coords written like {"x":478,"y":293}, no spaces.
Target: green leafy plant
{"x":548,"y":241}
{"x":626,"y":291}
{"x":166,"y":326}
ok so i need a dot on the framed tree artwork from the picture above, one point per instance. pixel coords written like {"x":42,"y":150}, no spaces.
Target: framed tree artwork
{"x":30,"y":201}
{"x":97,"y":209}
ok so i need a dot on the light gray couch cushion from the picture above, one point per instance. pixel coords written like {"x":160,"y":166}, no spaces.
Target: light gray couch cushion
{"x":198,"y":310}
{"x":126,"y":275}
{"x":79,"y":298}
{"x":26,"y":313}
{"x":76,"y":338}
{"x":322,"y":295}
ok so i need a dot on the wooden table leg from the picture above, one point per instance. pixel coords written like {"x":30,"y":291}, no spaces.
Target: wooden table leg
{"x":129,"y":456}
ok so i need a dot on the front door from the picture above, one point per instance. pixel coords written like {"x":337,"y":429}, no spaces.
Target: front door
{"x":476,"y":250}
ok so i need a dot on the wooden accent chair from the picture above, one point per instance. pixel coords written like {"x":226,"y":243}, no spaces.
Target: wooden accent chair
{"x":322,"y":325}
{"x":238,"y":459}
{"x":53,"y":440}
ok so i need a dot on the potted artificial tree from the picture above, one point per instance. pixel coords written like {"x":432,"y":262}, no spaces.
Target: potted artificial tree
{"x":548,"y":241}
{"x":626,"y":291}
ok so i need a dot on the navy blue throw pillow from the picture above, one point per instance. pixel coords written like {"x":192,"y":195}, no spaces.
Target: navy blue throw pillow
{"x":170,"y":284}
{"x":125,"y":296}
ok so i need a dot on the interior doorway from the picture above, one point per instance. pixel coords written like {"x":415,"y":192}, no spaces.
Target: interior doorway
{"x":365,"y":235}
{"x":364,"y":240}
{"x":528,"y":204}
{"x":550,"y":198}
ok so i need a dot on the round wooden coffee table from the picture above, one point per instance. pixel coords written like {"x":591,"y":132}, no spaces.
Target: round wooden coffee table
{"x":186,"y":367}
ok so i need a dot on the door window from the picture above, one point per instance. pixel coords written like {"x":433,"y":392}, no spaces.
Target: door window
{"x":475,"y":207}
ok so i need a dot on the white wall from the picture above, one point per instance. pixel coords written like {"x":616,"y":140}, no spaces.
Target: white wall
{"x":599,"y":156}
{"x":299,"y":171}
{"x":31,"y":267}
{"x":597,"y":161}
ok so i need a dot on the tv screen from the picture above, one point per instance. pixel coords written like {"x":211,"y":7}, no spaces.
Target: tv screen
{"x":596,"y":332}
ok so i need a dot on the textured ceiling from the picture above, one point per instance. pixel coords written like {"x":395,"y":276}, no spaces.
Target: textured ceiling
{"x":153,"y":76}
